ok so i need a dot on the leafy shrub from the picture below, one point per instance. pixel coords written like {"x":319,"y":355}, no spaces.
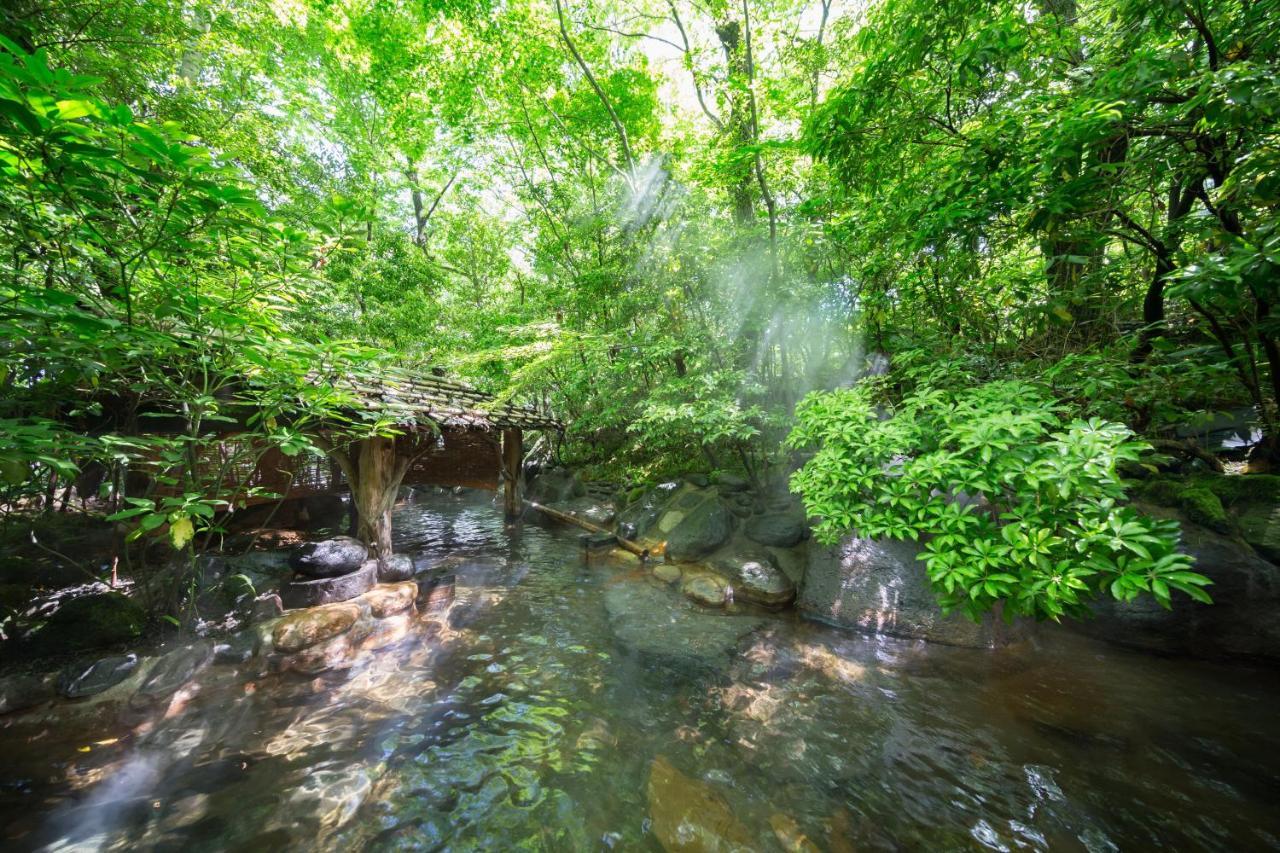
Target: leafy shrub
{"x":1017,"y":505}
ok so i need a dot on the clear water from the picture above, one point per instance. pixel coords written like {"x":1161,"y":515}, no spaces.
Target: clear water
{"x":518,"y":721}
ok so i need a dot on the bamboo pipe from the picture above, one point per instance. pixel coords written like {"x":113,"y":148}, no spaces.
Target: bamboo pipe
{"x":625,"y":544}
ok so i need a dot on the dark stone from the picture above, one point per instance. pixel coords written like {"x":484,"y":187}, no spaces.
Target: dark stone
{"x":266,"y":606}
{"x":175,"y":669}
{"x":779,"y":529}
{"x":236,"y":649}
{"x":78,"y":680}
{"x":728,"y":482}
{"x":304,"y":592}
{"x":556,"y":485}
{"x":322,"y":511}
{"x":329,"y":558}
{"x":1243,"y":621}
{"x":398,"y":567}
{"x":642,"y":515}
{"x":92,"y":621}
{"x":755,"y":576}
{"x":699,"y":480}
{"x":19,"y":692}
{"x":657,"y":623}
{"x":878,"y":586}
{"x":598,"y":541}
{"x":703,"y":529}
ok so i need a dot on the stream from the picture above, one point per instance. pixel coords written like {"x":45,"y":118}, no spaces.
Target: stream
{"x":564,"y":704}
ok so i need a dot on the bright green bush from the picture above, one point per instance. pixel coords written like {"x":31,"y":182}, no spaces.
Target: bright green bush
{"x":1016,"y":504}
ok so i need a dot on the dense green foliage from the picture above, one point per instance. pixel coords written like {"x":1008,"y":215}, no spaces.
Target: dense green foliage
{"x":668,"y":222}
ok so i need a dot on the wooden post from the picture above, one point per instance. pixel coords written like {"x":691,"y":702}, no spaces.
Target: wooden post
{"x":512,"y":463}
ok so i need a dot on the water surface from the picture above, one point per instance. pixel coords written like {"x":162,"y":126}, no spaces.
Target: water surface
{"x":519,"y":720}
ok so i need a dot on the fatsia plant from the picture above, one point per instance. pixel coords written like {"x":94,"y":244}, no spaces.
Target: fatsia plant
{"x":1016,"y":505}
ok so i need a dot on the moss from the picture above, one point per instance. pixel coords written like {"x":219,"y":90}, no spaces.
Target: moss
{"x":1205,"y":508}
{"x":1163,"y":491}
{"x":1243,"y":488}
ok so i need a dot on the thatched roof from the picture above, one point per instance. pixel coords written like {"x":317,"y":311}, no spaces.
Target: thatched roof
{"x":408,"y":396}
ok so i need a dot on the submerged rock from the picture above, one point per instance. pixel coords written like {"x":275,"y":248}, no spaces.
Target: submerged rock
{"x":392,"y":598}
{"x":330,"y":557}
{"x":239,"y":648}
{"x":709,"y":590}
{"x":755,"y":576}
{"x":175,"y":669}
{"x":19,"y":692}
{"x":652,"y":620}
{"x":310,"y":593}
{"x":878,"y":586}
{"x":666,"y":572}
{"x":306,"y":628}
{"x":690,"y":816}
{"x":78,"y":681}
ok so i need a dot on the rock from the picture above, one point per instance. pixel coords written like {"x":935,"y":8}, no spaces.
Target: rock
{"x":329,"y":558}
{"x":878,"y":586}
{"x":437,"y":593}
{"x":651,"y":620}
{"x":398,"y":567}
{"x":556,"y":485}
{"x":236,"y":649}
{"x":322,"y":511}
{"x":729,"y":482}
{"x":78,"y":681}
{"x":755,"y":577}
{"x":389,"y":599}
{"x":789,"y":834}
{"x":598,"y":512}
{"x":387,"y":632}
{"x":638,"y":519}
{"x":666,"y":572}
{"x":694,"y":533}
{"x":311,"y":593}
{"x":690,"y":816}
{"x":780,"y":529}
{"x":175,"y":669}
{"x":306,"y":628}
{"x":334,"y":653}
{"x":700,"y":481}
{"x":19,"y":692}
{"x":266,"y":606}
{"x":706,"y":589}
{"x":92,"y":621}
{"x":1243,"y":621}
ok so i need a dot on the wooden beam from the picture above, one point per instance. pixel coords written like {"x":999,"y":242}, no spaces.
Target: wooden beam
{"x":512,"y":464}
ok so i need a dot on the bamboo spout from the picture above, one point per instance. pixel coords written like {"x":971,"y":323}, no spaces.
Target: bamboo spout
{"x":626,"y":544}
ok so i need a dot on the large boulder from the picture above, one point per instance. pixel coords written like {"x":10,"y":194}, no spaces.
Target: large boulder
{"x":1243,"y":621}
{"x":556,"y":485}
{"x":754,"y":575}
{"x":780,"y":529}
{"x":653,"y":621}
{"x":80,"y":680}
{"x":307,"y":628}
{"x":694,"y":524}
{"x":93,"y":621}
{"x":639,"y":518}
{"x":329,"y":558}
{"x":878,"y":586}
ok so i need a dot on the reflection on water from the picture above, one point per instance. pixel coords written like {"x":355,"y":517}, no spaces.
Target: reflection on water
{"x":531,"y":715}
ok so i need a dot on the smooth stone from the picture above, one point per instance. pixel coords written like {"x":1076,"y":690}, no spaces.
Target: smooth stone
{"x":387,"y":632}
{"x":652,"y":620}
{"x":780,"y":529}
{"x":755,"y":577}
{"x":690,"y":815}
{"x":667,"y":573}
{"x":77,"y":682}
{"x":19,"y":692}
{"x":389,"y":599}
{"x":707,"y":590}
{"x":729,"y":482}
{"x":397,"y":567}
{"x":236,"y":649}
{"x":334,"y":653}
{"x":312,"y":593}
{"x":175,"y":669}
{"x":699,"y":531}
{"x":305,"y":628}
{"x":329,"y":558}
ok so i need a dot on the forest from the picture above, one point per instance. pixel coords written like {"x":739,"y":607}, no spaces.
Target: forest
{"x":996,"y":285}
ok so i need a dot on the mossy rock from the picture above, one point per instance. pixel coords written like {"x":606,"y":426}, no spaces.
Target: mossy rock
{"x":93,"y":621}
{"x":1198,"y":502}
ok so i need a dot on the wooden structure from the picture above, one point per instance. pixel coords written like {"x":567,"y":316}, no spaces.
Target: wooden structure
{"x":445,"y":433}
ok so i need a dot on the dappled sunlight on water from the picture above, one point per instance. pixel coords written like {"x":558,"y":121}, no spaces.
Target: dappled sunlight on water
{"x":515,"y":718}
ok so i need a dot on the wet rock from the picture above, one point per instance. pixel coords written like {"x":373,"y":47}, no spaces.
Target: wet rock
{"x":700,"y":481}
{"x":696,"y":532}
{"x":93,"y":621}
{"x":652,"y":620}
{"x":329,"y":558}
{"x":789,"y":834}
{"x":729,"y":482}
{"x":755,"y":577}
{"x":706,"y":589}
{"x":556,"y":485}
{"x":306,"y":628}
{"x":437,"y":593}
{"x":690,"y":816}
{"x":1243,"y":621}
{"x":397,"y":567}
{"x":667,"y":573}
{"x":322,"y":511}
{"x":78,"y":681}
{"x":266,"y":606}
{"x":780,"y":529}
{"x":878,"y":586}
{"x":237,"y":649}
{"x":387,"y":632}
{"x":175,"y":669}
{"x":19,"y":692}
{"x":311,"y":593}
{"x":640,"y":518}
{"x":598,"y":512}
{"x":335,"y":653}
{"x":389,"y":599}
